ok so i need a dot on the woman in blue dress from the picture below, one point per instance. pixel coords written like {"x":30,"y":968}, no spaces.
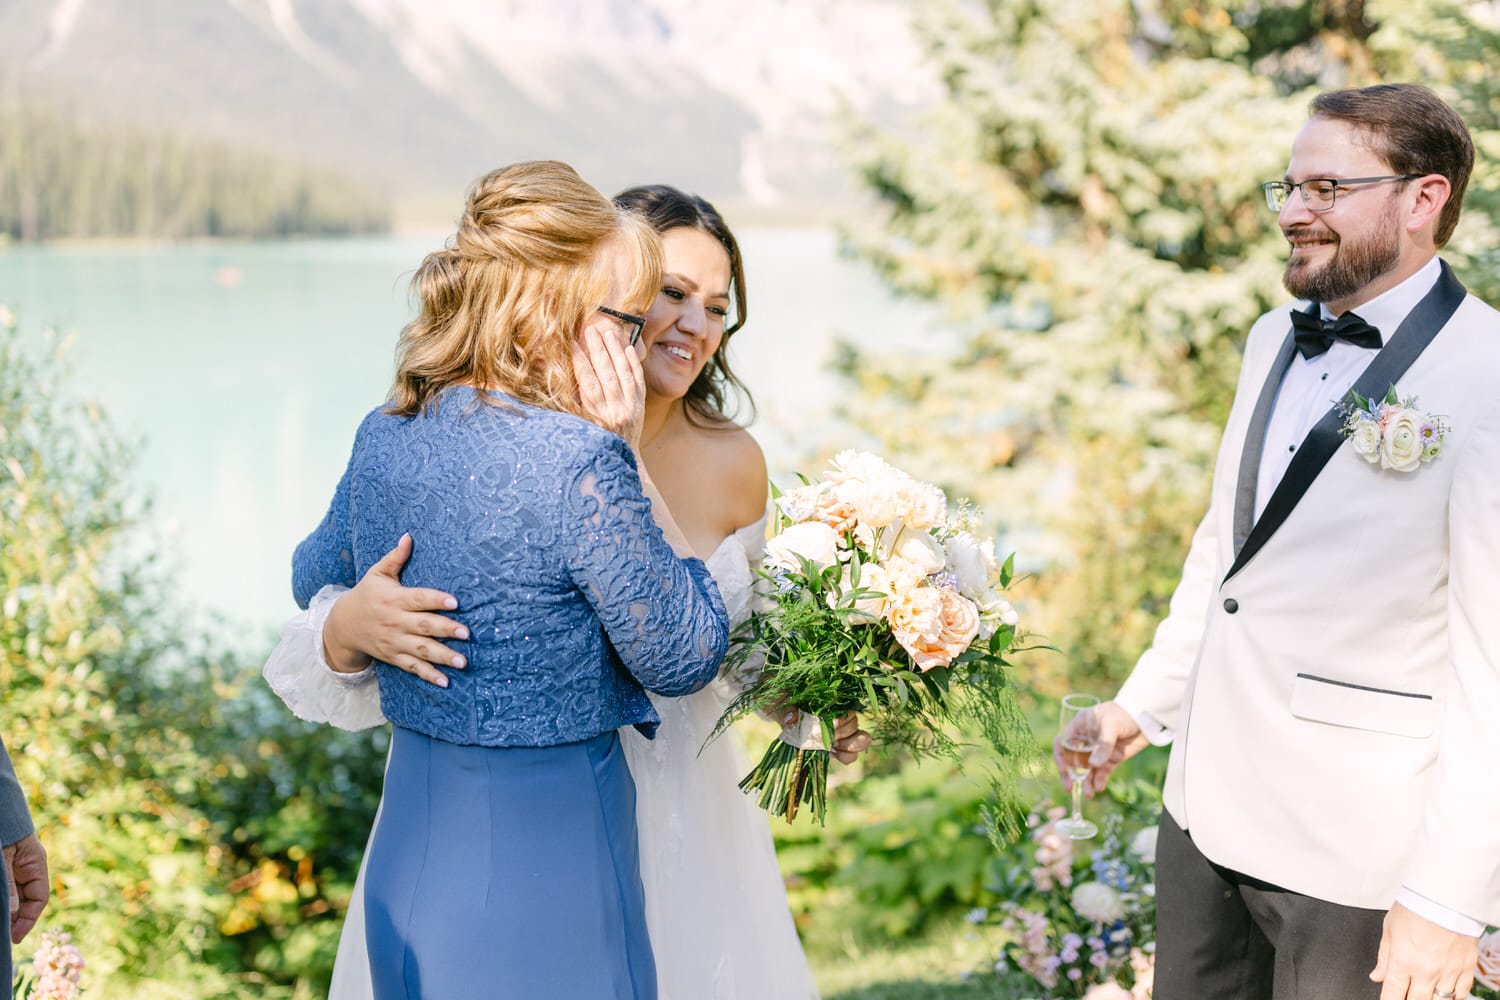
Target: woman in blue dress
{"x":504,"y":864}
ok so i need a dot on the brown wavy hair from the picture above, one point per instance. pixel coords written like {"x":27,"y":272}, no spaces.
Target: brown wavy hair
{"x":667,"y":208}
{"x":501,"y":304}
{"x":1413,"y":130}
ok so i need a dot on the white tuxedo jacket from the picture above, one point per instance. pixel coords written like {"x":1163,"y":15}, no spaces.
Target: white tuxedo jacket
{"x":1333,"y":672}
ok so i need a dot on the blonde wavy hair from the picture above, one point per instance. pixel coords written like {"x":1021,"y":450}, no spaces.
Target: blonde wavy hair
{"x":502,"y":303}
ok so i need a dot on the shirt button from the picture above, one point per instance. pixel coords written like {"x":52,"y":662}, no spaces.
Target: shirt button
{"x":1291,"y":447}
{"x":1325,"y":376}
{"x":1231,"y":605}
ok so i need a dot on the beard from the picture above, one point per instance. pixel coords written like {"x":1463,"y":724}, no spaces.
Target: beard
{"x":1356,"y":263}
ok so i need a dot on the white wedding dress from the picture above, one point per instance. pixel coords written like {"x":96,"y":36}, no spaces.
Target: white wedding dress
{"x":715,"y":903}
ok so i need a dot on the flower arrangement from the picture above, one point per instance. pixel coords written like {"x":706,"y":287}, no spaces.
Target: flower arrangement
{"x":1392,"y":432}
{"x":1078,"y":923}
{"x":1487,"y":969}
{"x":52,"y":972}
{"x":877,"y":598}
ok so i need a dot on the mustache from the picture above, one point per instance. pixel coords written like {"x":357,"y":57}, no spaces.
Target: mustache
{"x":1303,"y":230}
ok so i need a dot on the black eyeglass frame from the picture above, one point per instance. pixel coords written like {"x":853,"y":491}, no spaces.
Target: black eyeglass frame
{"x":637,"y":323}
{"x":1271,"y":188}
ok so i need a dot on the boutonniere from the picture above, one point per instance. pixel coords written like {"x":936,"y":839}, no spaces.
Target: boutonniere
{"x":1392,"y":431}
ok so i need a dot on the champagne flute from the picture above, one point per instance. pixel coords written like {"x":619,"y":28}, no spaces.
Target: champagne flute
{"x":1079,"y":735}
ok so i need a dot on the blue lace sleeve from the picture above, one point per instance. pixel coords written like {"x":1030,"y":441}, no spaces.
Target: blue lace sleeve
{"x":663,"y":615}
{"x":326,"y":556}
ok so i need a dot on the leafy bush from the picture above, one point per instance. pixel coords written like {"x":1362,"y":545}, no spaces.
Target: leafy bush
{"x":202,"y":843}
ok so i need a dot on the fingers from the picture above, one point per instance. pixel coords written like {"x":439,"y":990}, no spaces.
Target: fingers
{"x":420,"y":668}
{"x":391,"y":563}
{"x":31,"y":887}
{"x":848,"y":749}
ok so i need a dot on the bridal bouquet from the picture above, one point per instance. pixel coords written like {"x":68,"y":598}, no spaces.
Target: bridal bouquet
{"x":877,"y":598}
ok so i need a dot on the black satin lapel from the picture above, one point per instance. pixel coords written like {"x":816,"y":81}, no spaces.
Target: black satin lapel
{"x":1255,"y":443}
{"x":1411,"y":338}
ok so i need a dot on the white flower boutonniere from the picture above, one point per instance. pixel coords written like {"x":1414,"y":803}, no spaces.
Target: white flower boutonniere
{"x":1392,"y":431}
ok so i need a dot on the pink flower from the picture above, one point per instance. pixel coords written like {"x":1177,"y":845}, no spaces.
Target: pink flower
{"x":1487,"y":970}
{"x":58,"y":965}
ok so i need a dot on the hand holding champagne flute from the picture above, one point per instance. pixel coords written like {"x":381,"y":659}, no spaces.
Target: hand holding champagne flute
{"x":1077,"y":737}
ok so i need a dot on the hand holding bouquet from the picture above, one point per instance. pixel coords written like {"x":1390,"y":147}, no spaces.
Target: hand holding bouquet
{"x":876,"y":598}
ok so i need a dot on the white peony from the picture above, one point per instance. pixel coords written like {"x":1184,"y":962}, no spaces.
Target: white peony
{"x":1143,"y":845}
{"x":851,"y":464}
{"x":1098,"y":902}
{"x":1401,"y":443}
{"x":812,"y":540}
{"x":922,"y":504}
{"x":918,"y":549}
{"x":876,"y":502}
{"x":1365,"y":437}
{"x":972,"y":561}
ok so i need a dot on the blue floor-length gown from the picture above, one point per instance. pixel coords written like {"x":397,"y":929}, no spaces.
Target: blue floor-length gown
{"x":505,"y":861}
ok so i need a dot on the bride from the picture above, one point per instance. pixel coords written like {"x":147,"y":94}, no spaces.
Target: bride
{"x":716,"y":906}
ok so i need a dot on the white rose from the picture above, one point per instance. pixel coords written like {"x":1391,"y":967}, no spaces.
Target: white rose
{"x":1366,"y":440}
{"x":972,"y":561}
{"x":872,"y":577}
{"x":1098,"y":902}
{"x":812,"y":540}
{"x":1487,"y":970}
{"x":918,"y":549}
{"x":1401,"y":444}
{"x":994,"y":610}
{"x":1143,"y":845}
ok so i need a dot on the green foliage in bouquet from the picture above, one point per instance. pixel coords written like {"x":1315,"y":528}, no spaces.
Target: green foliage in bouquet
{"x":896,"y":616}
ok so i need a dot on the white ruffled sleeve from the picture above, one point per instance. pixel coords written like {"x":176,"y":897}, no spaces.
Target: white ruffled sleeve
{"x":312,"y":689}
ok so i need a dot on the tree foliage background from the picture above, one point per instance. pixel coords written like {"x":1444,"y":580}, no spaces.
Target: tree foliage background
{"x":202,"y":842}
{"x":1086,"y":203}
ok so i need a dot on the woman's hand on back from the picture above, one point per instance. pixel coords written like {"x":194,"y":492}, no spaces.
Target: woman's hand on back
{"x":383,"y":620}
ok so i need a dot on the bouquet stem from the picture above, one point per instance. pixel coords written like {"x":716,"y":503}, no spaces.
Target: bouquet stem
{"x":788,"y":777}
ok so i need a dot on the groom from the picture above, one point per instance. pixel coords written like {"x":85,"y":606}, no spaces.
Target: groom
{"x":1329,"y":671}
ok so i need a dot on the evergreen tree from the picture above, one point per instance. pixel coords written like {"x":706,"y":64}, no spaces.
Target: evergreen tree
{"x":1087,"y":202}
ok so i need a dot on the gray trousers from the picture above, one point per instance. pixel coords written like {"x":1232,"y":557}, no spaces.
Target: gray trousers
{"x":1228,"y":936}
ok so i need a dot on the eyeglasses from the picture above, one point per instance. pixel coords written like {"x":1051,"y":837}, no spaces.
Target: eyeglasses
{"x":1319,"y":193}
{"x":635,"y":324}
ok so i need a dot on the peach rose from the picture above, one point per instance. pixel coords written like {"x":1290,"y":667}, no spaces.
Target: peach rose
{"x":960,"y":622}
{"x":1487,"y":971}
{"x":1107,"y":991}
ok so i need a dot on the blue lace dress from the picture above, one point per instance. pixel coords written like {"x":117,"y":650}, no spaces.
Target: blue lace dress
{"x":505,"y":860}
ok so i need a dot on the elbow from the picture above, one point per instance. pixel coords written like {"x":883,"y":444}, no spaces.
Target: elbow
{"x":712,"y":645}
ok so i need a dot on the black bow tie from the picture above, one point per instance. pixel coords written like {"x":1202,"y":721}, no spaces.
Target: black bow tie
{"x":1315,"y":335}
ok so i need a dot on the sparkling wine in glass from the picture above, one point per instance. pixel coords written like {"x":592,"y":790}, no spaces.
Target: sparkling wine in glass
{"x":1079,"y":734}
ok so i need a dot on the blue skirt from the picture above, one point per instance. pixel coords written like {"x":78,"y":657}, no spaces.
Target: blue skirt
{"x":503,"y":872}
